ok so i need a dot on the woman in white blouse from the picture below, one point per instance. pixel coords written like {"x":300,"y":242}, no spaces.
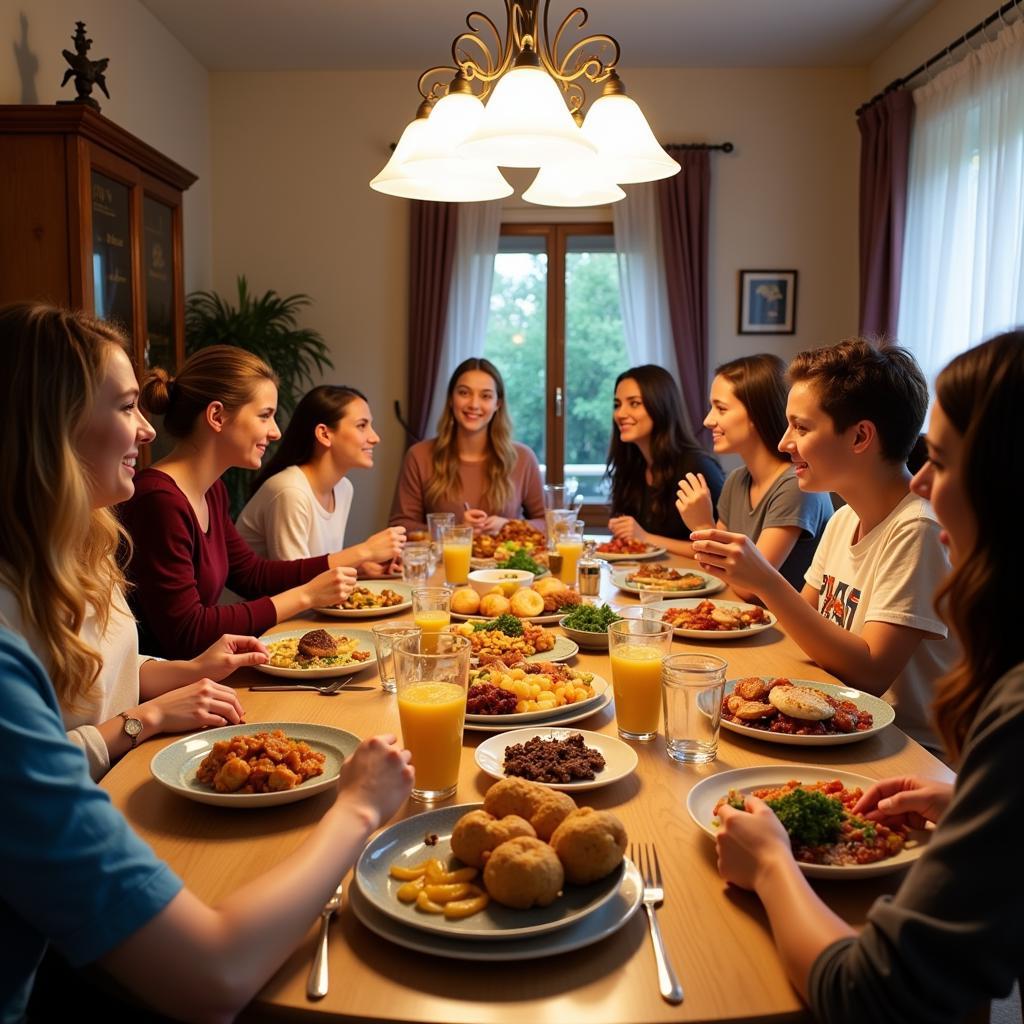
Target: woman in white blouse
{"x":301,"y":499}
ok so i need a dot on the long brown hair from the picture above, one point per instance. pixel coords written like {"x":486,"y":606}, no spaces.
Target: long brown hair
{"x":220,"y":373}
{"x":759,"y":384}
{"x":980,"y":393}
{"x":57,"y":553}
{"x":671,"y":439}
{"x":501,"y":453}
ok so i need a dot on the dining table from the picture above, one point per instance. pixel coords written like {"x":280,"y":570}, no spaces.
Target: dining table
{"x":716,"y":935}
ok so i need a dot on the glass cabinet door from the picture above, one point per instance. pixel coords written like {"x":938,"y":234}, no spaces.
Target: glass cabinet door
{"x":158,"y":261}
{"x":111,"y":251}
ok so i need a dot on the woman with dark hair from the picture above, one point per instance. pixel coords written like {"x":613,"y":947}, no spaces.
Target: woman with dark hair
{"x":220,"y":409}
{"x":301,"y":498}
{"x":762,"y":498}
{"x":472,"y":468}
{"x":952,"y":937}
{"x":651,"y":449}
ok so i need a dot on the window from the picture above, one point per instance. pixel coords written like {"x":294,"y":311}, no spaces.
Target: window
{"x":555,"y":333}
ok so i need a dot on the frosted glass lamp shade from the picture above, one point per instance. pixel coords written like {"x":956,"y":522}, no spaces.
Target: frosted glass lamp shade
{"x":625,"y":144}
{"x":573,"y":183}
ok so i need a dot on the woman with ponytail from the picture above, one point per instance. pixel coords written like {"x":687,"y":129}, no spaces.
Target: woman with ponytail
{"x":185,"y":548}
{"x":300,"y":501}
{"x":952,"y":937}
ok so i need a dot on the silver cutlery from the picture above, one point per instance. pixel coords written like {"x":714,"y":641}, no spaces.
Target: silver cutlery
{"x":318,"y":980}
{"x":654,"y":896}
{"x":324,"y":691}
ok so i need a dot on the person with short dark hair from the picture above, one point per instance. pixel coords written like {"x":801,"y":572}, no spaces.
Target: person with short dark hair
{"x":865,"y":612}
{"x":651,"y":449}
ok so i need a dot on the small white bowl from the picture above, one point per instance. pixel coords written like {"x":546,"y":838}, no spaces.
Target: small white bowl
{"x":510,"y":580}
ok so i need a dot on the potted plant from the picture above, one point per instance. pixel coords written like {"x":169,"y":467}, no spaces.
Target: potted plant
{"x":267,"y":326}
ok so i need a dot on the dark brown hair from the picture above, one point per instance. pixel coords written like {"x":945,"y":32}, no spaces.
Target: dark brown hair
{"x":220,"y":373}
{"x":855,"y":380}
{"x":671,"y":439}
{"x":759,"y":384}
{"x":980,"y":394}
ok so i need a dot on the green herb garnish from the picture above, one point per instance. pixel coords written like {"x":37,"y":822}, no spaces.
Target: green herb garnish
{"x":507,"y":624}
{"x":590,"y":619}
{"x":809,"y":816}
{"x":521,"y":560}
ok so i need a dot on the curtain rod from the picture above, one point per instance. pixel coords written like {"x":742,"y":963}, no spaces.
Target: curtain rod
{"x":725,"y":147}
{"x":898,"y":83}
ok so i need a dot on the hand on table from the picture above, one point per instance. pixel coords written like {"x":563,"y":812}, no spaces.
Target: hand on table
{"x":330,"y":588}
{"x":377,"y":777}
{"x":219,"y":660}
{"x":693,"y":502}
{"x":626,"y":528}
{"x":749,"y":842}
{"x":383,"y":546}
{"x":199,"y":705}
{"x":482,"y":522}
{"x":906,"y":800}
{"x":733,"y":557}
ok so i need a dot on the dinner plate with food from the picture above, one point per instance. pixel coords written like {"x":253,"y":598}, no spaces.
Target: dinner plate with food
{"x":802,"y":712}
{"x":687,"y":582}
{"x":300,"y":654}
{"x":702,"y":619}
{"x":530,"y":692}
{"x":628,"y":550}
{"x":559,"y":717}
{"x":370,"y":599}
{"x":558,"y":758}
{"x":254,"y":765}
{"x":544,"y":602}
{"x":511,"y":640}
{"x":525,"y":862}
{"x":588,"y":624}
{"x":815,"y":805}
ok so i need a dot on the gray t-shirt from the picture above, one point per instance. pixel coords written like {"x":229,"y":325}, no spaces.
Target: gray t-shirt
{"x":784,"y":504}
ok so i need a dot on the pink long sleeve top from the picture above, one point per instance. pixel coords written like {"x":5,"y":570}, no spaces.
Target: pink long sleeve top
{"x":178,"y":572}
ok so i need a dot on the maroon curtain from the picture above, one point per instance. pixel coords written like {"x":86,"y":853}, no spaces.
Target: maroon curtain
{"x":684,"y":204}
{"x":431,"y":252}
{"x":885,"y":128}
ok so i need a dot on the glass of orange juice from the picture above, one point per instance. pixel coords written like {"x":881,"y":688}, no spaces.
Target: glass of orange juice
{"x":637,"y":648}
{"x":432,"y":684}
{"x":568,"y":538}
{"x":457,"y":548}
{"x":432,"y":609}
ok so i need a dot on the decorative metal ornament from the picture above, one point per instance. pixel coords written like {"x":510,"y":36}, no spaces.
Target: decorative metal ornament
{"x":85,"y":71}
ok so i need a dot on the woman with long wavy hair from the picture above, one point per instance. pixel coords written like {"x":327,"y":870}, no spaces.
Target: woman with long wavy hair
{"x":73,"y":431}
{"x":651,"y":450}
{"x":952,"y":936}
{"x":301,"y":498}
{"x":472,"y":468}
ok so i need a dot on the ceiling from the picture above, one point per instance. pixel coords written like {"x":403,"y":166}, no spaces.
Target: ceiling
{"x":274,"y":35}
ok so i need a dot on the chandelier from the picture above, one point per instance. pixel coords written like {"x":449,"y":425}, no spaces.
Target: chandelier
{"x":534,"y":117}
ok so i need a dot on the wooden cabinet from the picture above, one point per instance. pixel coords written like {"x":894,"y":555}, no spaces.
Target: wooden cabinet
{"x":90,"y":217}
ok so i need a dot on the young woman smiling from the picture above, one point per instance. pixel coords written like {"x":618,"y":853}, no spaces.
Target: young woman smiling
{"x":651,"y":449}
{"x":220,"y":408}
{"x":301,"y":498}
{"x":762,"y":499}
{"x":61,"y":587}
{"x":952,"y":936}
{"x":472,"y":468}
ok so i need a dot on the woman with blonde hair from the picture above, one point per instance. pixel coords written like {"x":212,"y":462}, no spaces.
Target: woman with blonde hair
{"x":73,"y":431}
{"x":220,"y":409}
{"x":952,"y":936}
{"x":472,"y":468}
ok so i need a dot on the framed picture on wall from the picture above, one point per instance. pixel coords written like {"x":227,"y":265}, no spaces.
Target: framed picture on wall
{"x":767,"y":302}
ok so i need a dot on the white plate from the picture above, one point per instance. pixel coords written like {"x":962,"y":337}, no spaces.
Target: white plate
{"x":298,"y":675}
{"x":371,"y":613}
{"x":703,"y":797}
{"x":558,"y":717}
{"x":175,"y":766}
{"x":537,"y":620}
{"x":651,"y":552}
{"x":599,"y":685}
{"x":599,"y":925}
{"x":882,"y":713}
{"x":714,"y":634}
{"x":620,"y":758}
{"x":404,"y":843}
{"x":712,"y":585}
{"x":563,"y":650}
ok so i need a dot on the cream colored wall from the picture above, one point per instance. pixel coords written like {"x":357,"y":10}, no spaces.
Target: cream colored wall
{"x":293,"y":153}
{"x":159,"y":91}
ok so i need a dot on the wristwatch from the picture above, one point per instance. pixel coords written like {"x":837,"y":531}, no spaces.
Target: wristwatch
{"x":132,"y":728}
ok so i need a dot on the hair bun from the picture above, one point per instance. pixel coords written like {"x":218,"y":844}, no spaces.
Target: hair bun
{"x":157,"y":391}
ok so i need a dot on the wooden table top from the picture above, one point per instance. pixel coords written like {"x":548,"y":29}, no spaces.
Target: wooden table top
{"x":716,"y":937}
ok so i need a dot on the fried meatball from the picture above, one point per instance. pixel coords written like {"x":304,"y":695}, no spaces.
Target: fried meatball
{"x":543,"y":808}
{"x":590,"y":844}
{"x":477,"y":833}
{"x":550,"y":810}
{"x":317,"y":643}
{"x":523,"y":873}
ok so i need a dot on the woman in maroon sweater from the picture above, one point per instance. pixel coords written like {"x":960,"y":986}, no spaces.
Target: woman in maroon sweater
{"x":220,"y":408}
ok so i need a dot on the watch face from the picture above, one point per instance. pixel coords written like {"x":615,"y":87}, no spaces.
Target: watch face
{"x":132,"y":726}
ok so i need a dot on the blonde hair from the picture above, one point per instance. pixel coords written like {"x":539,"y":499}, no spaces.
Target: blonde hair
{"x":58,"y":555}
{"x":446,"y":483}
{"x":221,"y":373}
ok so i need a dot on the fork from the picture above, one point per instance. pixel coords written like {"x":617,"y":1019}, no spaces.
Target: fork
{"x":324,"y":691}
{"x":316,"y":983}
{"x":654,"y":896}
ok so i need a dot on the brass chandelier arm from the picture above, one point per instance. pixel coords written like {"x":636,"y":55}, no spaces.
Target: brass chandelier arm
{"x":591,"y":65}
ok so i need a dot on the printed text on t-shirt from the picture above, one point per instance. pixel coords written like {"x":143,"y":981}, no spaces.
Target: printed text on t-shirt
{"x":838,"y":601}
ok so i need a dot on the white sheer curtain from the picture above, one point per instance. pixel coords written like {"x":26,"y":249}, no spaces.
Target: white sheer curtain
{"x":469,"y":302}
{"x":963,"y":256}
{"x":642,"y":285}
